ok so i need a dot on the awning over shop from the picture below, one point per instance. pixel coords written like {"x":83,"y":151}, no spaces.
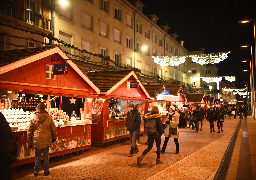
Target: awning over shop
{"x":24,"y":70}
{"x":170,"y":98}
{"x":194,"y":97}
{"x":119,"y":84}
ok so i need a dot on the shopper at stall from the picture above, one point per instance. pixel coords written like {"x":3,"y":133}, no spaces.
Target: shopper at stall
{"x":133,"y":124}
{"x":155,"y":130}
{"x":211,"y":117}
{"x":41,"y":134}
{"x":171,"y":129}
{"x":137,"y":106}
{"x":6,"y":148}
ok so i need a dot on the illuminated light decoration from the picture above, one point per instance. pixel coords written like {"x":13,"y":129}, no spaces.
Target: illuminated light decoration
{"x":194,"y":79}
{"x":230,"y":78}
{"x":240,"y":93}
{"x":169,"y":61}
{"x":126,"y":78}
{"x":231,"y":90}
{"x":211,"y":79}
{"x":202,"y":59}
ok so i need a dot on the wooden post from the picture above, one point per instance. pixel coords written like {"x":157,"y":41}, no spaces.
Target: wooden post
{"x":60,"y":102}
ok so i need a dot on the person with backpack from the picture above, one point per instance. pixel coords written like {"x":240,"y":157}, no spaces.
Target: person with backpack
{"x":154,"y":129}
{"x":41,"y":134}
{"x":171,"y":129}
{"x":133,"y":124}
{"x":8,"y":149}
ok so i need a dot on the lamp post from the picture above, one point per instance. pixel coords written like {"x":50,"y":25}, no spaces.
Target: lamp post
{"x":252,"y":66}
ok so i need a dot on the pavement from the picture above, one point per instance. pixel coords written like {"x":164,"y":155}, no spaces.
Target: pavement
{"x":200,"y":157}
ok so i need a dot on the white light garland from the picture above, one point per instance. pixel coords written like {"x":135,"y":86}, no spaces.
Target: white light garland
{"x":231,"y":90}
{"x":213,"y":79}
{"x":201,"y":59}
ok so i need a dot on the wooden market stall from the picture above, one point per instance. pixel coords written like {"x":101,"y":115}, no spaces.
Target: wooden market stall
{"x":30,"y":71}
{"x":115,"y":84}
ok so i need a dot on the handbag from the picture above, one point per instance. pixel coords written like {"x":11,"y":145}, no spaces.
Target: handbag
{"x":166,"y":131}
{"x":173,"y":131}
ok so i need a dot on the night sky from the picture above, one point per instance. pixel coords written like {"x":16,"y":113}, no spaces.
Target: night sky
{"x":213,"y":25}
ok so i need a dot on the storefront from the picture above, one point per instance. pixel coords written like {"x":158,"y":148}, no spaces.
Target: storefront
{"x":118,"y":88}
{"x":27,"y":77}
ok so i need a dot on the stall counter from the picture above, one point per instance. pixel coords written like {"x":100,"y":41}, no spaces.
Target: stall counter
{"x":69,"y":139}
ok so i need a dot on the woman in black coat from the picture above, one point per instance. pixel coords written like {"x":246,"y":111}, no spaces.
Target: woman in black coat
{"x":156,"y":136}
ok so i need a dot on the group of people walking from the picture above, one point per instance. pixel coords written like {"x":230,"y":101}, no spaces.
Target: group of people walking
{"x":154,"y":127}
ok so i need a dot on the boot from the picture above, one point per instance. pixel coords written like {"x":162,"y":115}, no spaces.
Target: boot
{"x":221,"y":130}
{"x":177,"y":148}
{"x":162,"y":151}
{"x":218,"y":131}
{"x":158,"y":161}
{"x":139,"y":159}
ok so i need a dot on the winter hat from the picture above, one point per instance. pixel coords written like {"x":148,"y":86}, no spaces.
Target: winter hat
{"x":131,"y":105}
{"x":173,"y":108}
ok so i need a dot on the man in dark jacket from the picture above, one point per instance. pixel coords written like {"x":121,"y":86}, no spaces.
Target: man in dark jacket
{"x":211,"y":117}
{"x":5,"y":172}
{"x":133,"y":124}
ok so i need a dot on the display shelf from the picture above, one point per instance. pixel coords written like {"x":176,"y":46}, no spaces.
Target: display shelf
{"x":69,"y":139}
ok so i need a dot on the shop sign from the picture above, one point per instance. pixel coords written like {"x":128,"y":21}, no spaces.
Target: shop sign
{"x":59,"y":69}
{"x":165,"y":93}
{"x":134,"y":84}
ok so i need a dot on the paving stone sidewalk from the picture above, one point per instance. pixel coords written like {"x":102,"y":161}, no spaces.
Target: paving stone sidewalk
{"x":111,"y":162}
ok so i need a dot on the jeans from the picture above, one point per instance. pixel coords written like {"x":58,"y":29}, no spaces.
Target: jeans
{"x":38,"y":160}
{"x":133,"y":137}
{"x":220,"y":125}
{"x":151,"y":139}
{"x":197,"y":125}
{"x":166,"y":141}
{"x":138,"y":135}
{"x":212,"y":125}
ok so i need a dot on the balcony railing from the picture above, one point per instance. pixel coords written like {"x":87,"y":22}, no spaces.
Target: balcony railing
{"x":25,"y":15}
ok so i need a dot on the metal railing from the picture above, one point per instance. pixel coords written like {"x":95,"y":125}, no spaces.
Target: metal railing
{"x":26,"y":15}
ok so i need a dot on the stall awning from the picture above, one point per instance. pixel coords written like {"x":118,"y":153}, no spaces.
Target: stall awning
{"x":24,"y":70}
{"x":194,"y":97}
{"x":116,"y":84}
{"x":170,"y":98}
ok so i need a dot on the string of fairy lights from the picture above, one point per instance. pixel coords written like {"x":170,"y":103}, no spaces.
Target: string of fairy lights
{"x":213,"y":79}
{"x":201,"y":59}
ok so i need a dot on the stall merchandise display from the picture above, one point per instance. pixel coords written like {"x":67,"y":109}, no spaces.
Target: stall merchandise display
{"x":17,"y":118}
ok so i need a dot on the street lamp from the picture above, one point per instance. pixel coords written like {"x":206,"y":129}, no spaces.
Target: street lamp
{"x":251,"y":79}
{"x":252,"y":65}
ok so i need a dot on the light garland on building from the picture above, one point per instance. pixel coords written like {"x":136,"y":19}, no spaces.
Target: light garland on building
{"x":213,"y":79}
{"x":169,"y":61}
{"x":231,"y":90}
{"x":201,"y":59}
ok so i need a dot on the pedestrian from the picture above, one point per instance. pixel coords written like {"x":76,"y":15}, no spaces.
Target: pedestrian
{"x":191,"y":120}
{"x":137,"y":106}
{"x":221,"y":119}
{"x":155,"y":130}
{"x":245,"y":111}
{"x":201,"y":116}
{"x":195,"y":115}
{"x":147,"y":112}
{"x":171,"y":129}
{"x":8,"y":149}
{"x":41,"y":134}
{"x":211,"y":118}
{"x":133,"y":124}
